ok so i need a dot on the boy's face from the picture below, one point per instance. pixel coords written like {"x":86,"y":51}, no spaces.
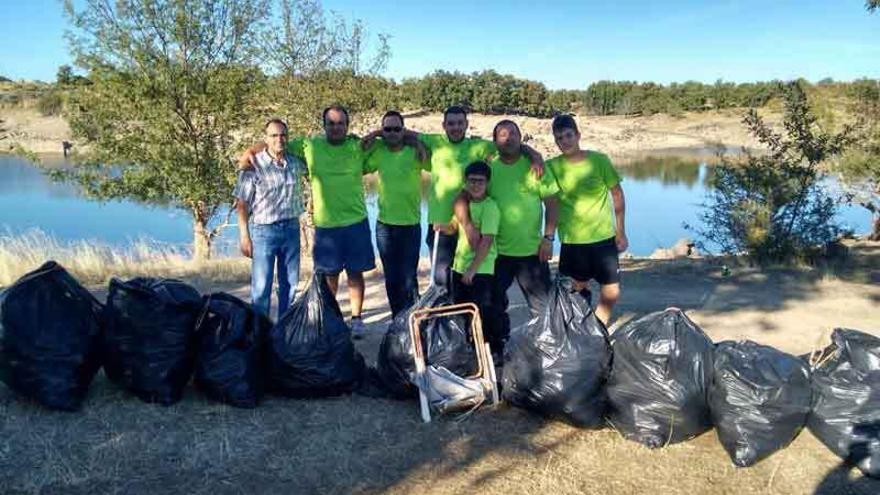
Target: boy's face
{"x":455,"y":125}
{"x":568,"y":140}
{"x":476,"y":185}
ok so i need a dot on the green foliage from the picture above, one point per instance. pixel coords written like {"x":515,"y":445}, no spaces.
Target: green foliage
{"x":167,"y":95}
{"x":773,"y":207}
{"x":5,"y":79}
{"x":50,"y":103}
{"x":859,"y":167}
{"x":872,"y":5}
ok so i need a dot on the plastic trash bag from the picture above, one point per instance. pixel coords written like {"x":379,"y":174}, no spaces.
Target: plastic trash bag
{"x":311,"y":353}
{"x":448,"y":392}
{"x":759,"y":399}
{"x":659,"y":383}
{"x":50,"y":327}
{"x":446,"y":342}
{"x":230,"y":365}
{"x":558,"y":363}
{"x":846,"y":399}
{"x":150,"y":339}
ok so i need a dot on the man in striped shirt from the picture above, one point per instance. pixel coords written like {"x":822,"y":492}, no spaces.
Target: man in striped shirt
{"x":269,"y":203}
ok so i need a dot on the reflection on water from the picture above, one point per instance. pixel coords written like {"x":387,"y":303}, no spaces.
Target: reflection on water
{"x":662,"y":193}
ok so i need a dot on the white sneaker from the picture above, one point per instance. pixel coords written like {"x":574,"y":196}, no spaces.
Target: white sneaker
{"x":358,"y":329}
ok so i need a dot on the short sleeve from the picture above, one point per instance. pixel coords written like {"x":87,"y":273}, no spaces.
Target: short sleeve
{"x":491,"y":219}
{"x":373,"y":158}
{"x":481,"y":149}
{"x":244,"y":186}
{"x":432,"y":141}
{"x":547,"y":186}
{"x":296,"y":147}
{"x":609,"y":173}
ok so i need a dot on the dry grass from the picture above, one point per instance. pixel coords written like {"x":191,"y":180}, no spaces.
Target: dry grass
{"x":95,"y":263}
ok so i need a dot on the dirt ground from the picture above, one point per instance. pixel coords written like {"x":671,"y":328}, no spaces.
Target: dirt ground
{"x":118,"y":444}
{"x":621,"y":137}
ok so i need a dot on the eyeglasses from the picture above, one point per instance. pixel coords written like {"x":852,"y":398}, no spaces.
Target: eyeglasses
{"x":392,"y":129}
{"x":276,"y":135}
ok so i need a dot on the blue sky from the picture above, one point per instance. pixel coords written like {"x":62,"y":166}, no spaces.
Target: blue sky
{"x":566,"y":44}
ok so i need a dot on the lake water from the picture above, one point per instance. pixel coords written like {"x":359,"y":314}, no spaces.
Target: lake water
{"x":662,"y":193}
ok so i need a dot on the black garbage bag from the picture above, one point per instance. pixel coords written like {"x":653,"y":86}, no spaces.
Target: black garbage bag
{"x":557,"y":364}
{"x":759,"y":399}
{"x":150,"y":340}
{"x":230,"y":365}
{"x":446,"y":342}
{"x":311,"y":353}
{"x":659,"y":383}
{"x":846,"y":399}
{"x":50,"y":327}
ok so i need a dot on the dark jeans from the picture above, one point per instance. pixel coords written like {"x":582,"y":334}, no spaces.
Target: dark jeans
{"x":533,"y":278}
{"x":399,"y":251}
{"x":445,"y":255}
{"x":480,"y":292}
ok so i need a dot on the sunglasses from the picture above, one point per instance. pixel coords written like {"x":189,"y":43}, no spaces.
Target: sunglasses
{"x":392,"y":129}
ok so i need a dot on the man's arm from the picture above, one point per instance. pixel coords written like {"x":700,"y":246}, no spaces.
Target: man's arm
{"x":248,"y":158}
{"x":619,"y":217}
{"x":480,"y":253}
{"x":244,"y":235}
{"x":536,"y":159}
{"x":369,"y":140}
{"x":463,"y":217}
{"x":551,"y":215}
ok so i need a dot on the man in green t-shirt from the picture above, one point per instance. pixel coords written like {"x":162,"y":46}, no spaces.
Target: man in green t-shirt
{"x":450,"y":154}
{"x":590,"y":240}
{"x":398,"y":228}
{"x":336,"y":164}
{"x":473,"y":267}
{"x":525,"y":201}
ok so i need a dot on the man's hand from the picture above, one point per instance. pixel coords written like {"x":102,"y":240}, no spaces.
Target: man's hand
{"x":536,"y":159}
{"x":621,"y":241}
{"x":370,"y":139}
{"x":467,"y":278}
{"x":248,"y":158}
{"x":246,"y":246}
{"x":446,"y":228}
{"x":545,"y":250}
{"x":422,"y":153}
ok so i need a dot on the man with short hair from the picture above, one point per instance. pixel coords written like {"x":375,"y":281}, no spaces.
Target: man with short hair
{"x":336,"y":164}
{"x":269,"y":201}
{"x":590,"y":240}
{"x":398,"y":229}
{"x":525,"y":200}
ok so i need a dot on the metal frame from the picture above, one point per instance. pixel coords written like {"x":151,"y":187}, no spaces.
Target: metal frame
{"x":485,"y":365}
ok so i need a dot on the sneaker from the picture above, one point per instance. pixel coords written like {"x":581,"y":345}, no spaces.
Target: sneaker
{"x":358,"y":329}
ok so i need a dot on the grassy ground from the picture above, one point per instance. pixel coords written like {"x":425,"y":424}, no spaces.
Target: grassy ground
{"x":118,"y":444}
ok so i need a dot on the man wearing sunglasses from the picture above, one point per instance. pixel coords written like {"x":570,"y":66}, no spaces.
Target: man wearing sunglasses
{"x":398,"y":229}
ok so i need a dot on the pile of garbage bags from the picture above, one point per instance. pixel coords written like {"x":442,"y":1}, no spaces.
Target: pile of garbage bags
{"x":657,"y":380}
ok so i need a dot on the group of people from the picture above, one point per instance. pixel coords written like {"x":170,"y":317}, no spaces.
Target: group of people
{"x":494,"y":208}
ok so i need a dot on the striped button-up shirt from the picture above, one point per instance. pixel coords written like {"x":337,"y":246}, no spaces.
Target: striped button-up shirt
{"x":272,"y":189}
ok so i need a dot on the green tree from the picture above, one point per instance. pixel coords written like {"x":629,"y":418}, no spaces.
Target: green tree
{"x":774,"y":207}
{"x":64,"y":75}
{"x":171,"y":84}
{"x":872,"y":5}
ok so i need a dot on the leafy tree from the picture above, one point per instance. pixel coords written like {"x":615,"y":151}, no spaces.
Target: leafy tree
{"x":171,"y":86}
{"x":872,"y":5}
{"x":773,"y":206}
{"x":64,"y":75}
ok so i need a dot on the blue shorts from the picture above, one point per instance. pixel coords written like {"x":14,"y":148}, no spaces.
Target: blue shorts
{"x":348,"y":248}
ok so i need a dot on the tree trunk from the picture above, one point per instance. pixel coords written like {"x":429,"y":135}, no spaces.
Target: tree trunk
{"x":875,"y":228}
{"x":201,"y":240}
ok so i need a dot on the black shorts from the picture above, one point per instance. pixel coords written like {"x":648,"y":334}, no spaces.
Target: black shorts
{"x":597,"y":261}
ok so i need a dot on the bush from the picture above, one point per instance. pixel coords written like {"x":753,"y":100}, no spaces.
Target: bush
{"x":50,"y":104}
{"x":773,"y":207}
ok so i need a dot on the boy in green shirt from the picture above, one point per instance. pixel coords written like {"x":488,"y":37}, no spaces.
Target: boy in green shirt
{"x":473,"y":267}
{"x":590,"y":240}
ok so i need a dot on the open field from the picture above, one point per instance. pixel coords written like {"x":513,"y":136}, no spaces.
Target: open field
{"x":118,"y":444}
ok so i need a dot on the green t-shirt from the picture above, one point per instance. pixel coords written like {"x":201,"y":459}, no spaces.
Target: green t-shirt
{"x":518,"y":192}
{"x":585,"y":209}
{"x":336,"y":176}
{"x":448,"y":161}
{"x":400,"y":184}
{"x":485,"y":216}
